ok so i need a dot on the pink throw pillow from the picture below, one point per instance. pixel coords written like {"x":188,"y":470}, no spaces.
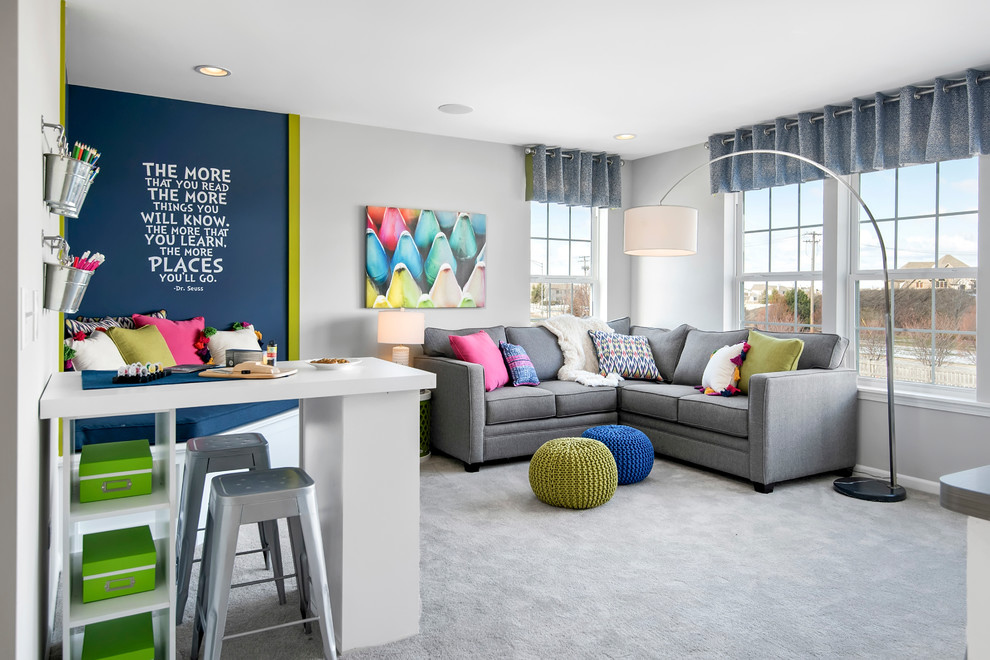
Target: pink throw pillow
{"x":179,"y":335}
{"x":479,"y":348}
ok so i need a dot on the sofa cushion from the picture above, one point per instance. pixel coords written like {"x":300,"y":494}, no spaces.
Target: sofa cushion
{"x":768,"y":354}
{"x":575,"y":399}
{"x":658,"y":400}
{"x":627,"y":355}
{"x":698,"y":348}
{"x":822,"y":350}
{"x":436,"y":341}
{"x":515,"y":404}
{"x":521,"y":370}
{"x":728,"y":415}
{"x":666,"y":346}
{"x":721,"y":376}
{"x":542,"y":348}
{"x":479,"y":349}
{"x":620,"y":325}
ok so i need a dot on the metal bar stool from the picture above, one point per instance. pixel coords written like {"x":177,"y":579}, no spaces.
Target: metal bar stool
{"x":218,"y":453}
{"x":249,"y":497}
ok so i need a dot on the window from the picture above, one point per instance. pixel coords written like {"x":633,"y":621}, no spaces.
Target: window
{"x":781,"y":264}
{"x":928,"y":216}
{"x":563,"y":269}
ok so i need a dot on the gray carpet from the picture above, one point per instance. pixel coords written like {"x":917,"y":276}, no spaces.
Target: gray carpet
{"x":686,"y":564}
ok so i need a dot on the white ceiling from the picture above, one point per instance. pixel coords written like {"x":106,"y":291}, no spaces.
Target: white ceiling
{"x":561,"y":72}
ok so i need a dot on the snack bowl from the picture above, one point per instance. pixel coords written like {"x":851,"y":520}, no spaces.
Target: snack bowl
{"x":333,"y":366}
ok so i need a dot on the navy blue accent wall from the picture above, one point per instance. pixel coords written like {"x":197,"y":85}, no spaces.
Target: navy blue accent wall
{"x":190,"y":208}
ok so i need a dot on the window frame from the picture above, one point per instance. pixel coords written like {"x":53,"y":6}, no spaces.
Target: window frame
{"x":856,"y":219}
{"x":593,"y":278}
{"x":741,"y":278}
{"x":840,"y":274}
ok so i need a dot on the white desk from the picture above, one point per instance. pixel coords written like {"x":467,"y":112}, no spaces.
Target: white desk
{"x":358,"y":439}
{"x":968,"y":492}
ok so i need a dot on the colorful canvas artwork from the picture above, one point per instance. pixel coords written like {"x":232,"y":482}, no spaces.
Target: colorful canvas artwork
{"x":424,"y":258}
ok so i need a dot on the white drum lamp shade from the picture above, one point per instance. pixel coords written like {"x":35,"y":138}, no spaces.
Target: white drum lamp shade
{"x":661,"y":231}
{"x":401,"y":328}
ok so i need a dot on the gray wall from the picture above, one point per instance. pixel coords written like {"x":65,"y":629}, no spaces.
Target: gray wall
{"x":29,"y":76}
{"x":668,"y":291}
{"x":345,"y":167}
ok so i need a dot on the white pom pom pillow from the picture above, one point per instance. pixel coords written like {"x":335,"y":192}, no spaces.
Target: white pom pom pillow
{"x":721,"y":376}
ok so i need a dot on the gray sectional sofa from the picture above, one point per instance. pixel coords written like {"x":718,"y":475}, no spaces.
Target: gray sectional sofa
{"x":792,"y":423}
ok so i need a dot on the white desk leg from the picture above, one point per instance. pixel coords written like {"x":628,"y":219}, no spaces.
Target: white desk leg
{"x":978,"y":588}
{"x":363,"y":453}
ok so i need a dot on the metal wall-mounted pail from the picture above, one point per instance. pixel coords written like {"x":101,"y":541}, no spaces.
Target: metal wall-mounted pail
{"x":66,"y":184}
{"x":64,"y":287}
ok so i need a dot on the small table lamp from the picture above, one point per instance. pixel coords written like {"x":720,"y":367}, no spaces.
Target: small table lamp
{"x":401,"y":327}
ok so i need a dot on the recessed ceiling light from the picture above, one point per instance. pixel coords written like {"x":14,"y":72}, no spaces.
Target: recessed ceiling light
{"x":212,"y":71}
{"x":455,"y":109}
{"x":625,"y":136}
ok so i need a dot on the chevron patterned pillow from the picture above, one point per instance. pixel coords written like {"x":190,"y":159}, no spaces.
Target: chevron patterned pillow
{"x":627,"y":355}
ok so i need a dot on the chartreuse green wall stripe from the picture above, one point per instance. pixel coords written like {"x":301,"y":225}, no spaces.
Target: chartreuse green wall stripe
{"x":293,"y":237}
{"x":61,"y":219}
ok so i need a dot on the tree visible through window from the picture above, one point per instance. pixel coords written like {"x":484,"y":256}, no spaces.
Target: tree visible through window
{"x":782,"y":258}
{"x":563,"y":274}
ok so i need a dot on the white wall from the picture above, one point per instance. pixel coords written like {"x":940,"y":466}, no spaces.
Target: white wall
{"x":344,"y":167}
{"x":29,"y":74}
{"x":668,"y":291}
{"x":930,"y":443}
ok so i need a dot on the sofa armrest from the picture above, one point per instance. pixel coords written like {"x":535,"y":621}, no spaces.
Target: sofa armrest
{"x":457,"y":419}
{"x":801,"y":423}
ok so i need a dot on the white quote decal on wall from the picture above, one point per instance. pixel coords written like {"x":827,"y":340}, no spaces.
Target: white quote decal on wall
{"x":185,"y":229}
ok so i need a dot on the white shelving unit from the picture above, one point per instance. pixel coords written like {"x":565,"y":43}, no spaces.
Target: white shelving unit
{"x":157,"y":510}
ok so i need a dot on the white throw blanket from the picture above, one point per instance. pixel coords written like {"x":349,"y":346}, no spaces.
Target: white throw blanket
{"x":580,"y":357}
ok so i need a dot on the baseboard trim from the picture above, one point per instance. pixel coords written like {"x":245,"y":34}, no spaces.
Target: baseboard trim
{"x":924,"y":485}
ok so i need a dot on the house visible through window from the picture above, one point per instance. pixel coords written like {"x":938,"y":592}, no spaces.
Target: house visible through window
{"x":563,"y":272}
{"x":928,"y":215}
{"x":781,"y":273}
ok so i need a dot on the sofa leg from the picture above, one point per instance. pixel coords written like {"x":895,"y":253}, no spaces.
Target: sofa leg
{"x":844,"y":472}
{"x":472,"y":467}
{"x":763,"y":488}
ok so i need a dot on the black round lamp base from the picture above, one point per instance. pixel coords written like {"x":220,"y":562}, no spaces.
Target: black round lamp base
{"x":872,"y":490}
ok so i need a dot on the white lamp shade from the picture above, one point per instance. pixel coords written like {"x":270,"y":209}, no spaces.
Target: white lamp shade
{"x":661,"y":231}
{"x":401,"y":327}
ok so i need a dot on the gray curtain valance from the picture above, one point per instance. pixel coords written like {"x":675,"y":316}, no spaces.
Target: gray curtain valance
{"x":921,"y":124}
{"x":572,"y":177}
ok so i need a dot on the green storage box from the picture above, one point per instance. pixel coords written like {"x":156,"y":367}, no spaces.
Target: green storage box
{"x":127,"y":638}
{"x":117,"y":563}
{"x":114,"y":469}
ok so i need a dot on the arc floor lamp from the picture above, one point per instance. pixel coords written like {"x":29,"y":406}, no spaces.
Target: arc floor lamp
{"x":663,"y":231}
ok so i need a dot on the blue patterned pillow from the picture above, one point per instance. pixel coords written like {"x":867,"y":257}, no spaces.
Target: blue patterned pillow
{"x":627,"y":355}
{"x":521,"y":370}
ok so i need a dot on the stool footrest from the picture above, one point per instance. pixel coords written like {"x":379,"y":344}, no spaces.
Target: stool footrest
{"x":260,"y":630}
{"x":262,"y":581}
{"x":238,"y":554}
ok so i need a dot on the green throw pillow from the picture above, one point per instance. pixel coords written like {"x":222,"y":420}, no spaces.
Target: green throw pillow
{"x":142,"y":345}
{"x":767,"y":354}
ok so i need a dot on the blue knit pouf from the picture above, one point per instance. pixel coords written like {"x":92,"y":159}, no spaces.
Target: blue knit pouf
{"x":632,"y":450}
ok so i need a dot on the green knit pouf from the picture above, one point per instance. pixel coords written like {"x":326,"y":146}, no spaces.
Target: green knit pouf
{"x":577,"y":473}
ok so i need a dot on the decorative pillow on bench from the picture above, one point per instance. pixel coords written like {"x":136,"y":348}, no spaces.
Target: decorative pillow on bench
{"x":722,"y":373}
{"x":769,"y":354}
{"x":629,"y":356}
{"x":521,"y":369}
{"x":480,"y":349}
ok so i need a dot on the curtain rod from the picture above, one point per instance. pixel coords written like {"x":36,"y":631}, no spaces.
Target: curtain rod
{"x":927,"y":89}
{"x":550,"y":154}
